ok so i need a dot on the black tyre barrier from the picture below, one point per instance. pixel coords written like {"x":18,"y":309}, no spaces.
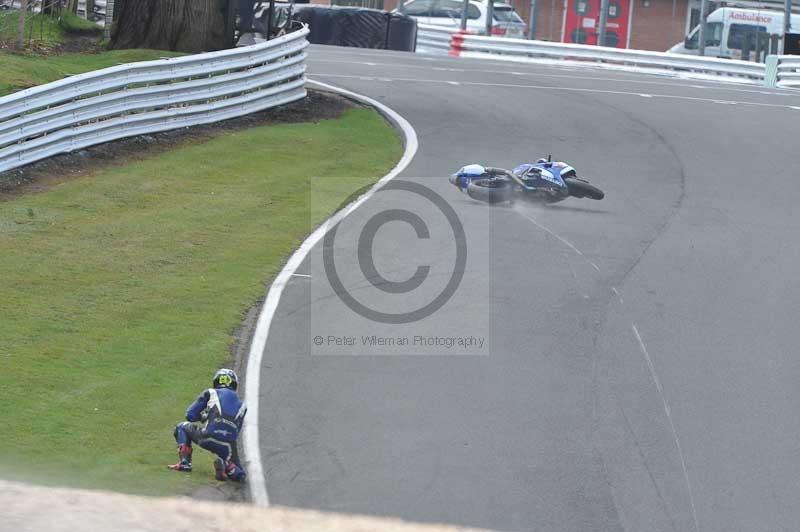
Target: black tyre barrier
{"x":402,"y":33}
{"x":358,"y":27}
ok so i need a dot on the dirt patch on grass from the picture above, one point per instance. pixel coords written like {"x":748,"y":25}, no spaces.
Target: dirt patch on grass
{"x":44,"y":174}
{"x":83,"y":43}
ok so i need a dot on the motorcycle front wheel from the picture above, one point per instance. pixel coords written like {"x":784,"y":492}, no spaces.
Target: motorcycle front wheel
{"x":491,"y":190}
{"x":582,"y":189}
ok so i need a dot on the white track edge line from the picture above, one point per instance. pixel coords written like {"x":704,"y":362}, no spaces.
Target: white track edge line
{"x":250,"y":438}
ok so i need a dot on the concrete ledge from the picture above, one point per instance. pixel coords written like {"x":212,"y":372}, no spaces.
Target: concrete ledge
{"x":26,"y":508}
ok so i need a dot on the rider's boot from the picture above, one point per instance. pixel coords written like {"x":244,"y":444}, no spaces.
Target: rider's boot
{"x":184,"y":459}
{"x":228,"y":470}
{"x":219,"y":469}
{"x":234,"y":472}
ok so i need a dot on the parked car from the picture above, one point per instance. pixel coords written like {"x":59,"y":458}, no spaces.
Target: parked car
{"x":505,"y":22}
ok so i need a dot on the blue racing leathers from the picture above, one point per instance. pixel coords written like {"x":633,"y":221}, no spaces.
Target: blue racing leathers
{"x":224,"y":413}
{"x":213,"y":422}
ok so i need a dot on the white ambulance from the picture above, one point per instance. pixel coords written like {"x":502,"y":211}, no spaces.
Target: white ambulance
{"x":730,"y":30}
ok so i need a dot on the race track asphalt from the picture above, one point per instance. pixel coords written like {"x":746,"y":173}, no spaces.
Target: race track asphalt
{"x":640,"y":368}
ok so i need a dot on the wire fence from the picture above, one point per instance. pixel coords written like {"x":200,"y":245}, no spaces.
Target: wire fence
{"x":37,"y":23}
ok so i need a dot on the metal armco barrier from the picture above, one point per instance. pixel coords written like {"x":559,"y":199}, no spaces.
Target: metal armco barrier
{"x":782,"y":71}
{"x":433,"y":39}
{"x":491,"y":47}
{"x":148,"y":97}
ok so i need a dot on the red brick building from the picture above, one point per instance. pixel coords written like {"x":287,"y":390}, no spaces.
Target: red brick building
{"x":655,"y":24}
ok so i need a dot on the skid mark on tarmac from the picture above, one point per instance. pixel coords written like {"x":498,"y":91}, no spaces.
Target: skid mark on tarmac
{"x":651,"y":367}
{"x":552,"y":233}
{"x":619,"y":296}
{"x":669,"y":418}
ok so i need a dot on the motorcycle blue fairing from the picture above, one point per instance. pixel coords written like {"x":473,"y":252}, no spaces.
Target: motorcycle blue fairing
{"x":467,"y":173}
{"x":543,"y":175}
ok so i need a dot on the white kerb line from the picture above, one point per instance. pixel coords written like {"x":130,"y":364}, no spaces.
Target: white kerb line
{"x":250,"y":439}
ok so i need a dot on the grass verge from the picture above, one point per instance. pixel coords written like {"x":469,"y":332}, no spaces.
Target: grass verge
{"x":120,"y":291}
{"x":22,"y":71}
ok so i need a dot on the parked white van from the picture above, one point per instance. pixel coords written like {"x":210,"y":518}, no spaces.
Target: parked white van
{"x":730,"y":30}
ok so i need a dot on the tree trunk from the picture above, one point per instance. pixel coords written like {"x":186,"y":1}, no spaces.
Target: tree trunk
{"x":23,"y":12}
{"x":179,"y":25}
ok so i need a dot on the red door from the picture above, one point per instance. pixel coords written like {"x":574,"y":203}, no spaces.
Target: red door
{"x":583,"y":17}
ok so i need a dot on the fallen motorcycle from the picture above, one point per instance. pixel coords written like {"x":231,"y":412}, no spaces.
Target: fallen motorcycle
{"x":544,"y":180}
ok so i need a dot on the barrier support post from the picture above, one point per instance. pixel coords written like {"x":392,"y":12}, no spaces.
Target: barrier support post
{"x":109,"y":20}
{"x":601,"y":30}
{"x":489,"y":17}
{"x":533,"y":20}
{"x":456,"y":43}
{"x":701,"y":34}
{"x":771,"y":71}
